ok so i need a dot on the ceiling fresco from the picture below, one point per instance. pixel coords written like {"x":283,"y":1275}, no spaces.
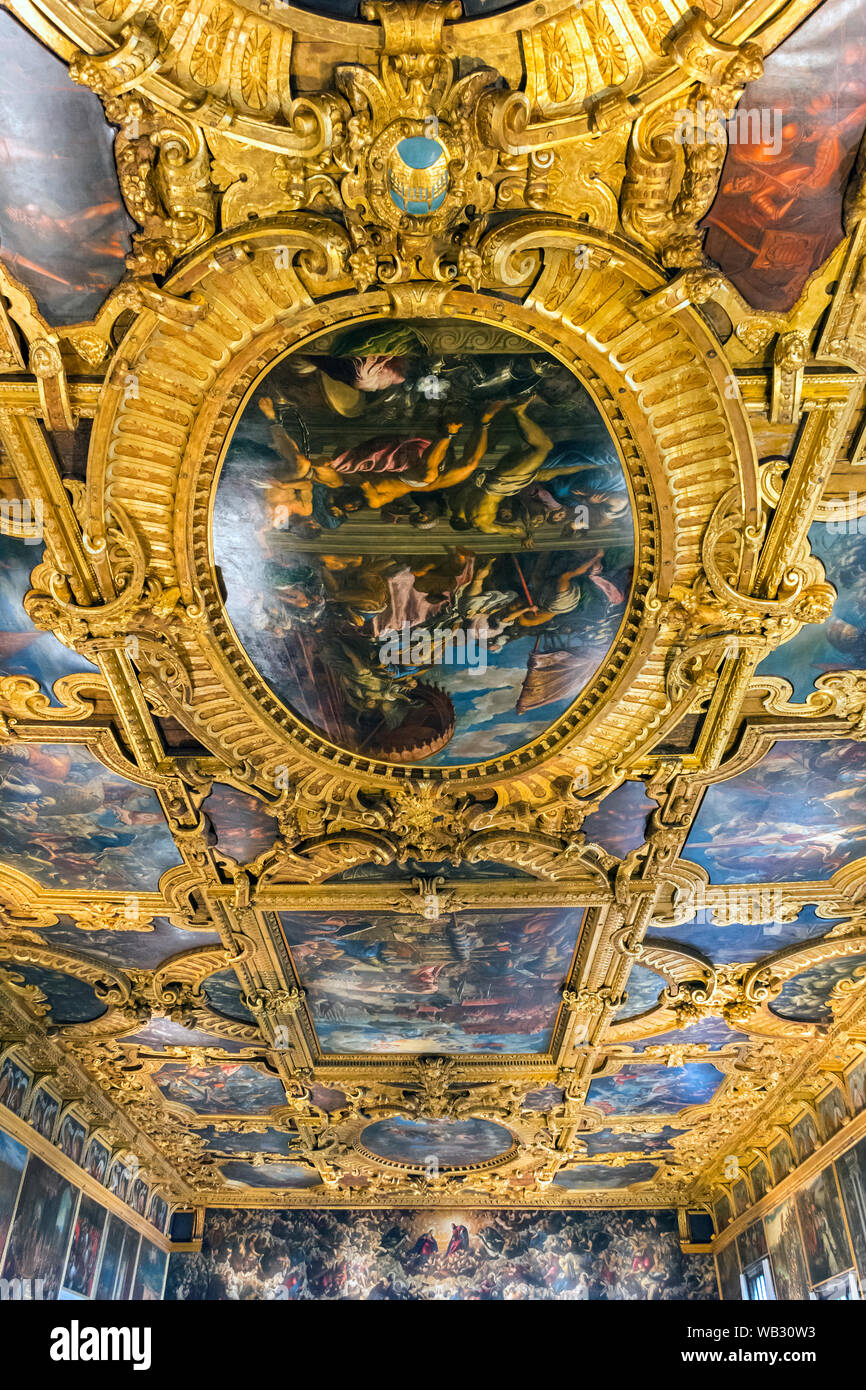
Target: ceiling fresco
{"x":432,"y":704}
{"x":63,"y":226}
{"x":372,"y":526}
{"x":472,"y":982}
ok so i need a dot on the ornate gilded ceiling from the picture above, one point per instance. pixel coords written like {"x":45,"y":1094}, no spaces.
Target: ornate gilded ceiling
{"x":433,"y":592}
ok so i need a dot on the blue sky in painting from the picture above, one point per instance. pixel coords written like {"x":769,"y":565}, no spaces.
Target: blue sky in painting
{"x":840,"y":641}
{"x":805,"y":996}
{"x":799,"y":814}
{"x":643,"y":989}
{"x":713,"y":1031}
{"x":69,"y":822}
{"x":72,"y":1000}
{"x":651,"y":1089}
{"x":24,"y":650}
{"x":474,"y":982}
{"x":452,"y":1143}
{"x":619,"y":824}
{"x":743,"y":941}
{"x":225,"y":1088}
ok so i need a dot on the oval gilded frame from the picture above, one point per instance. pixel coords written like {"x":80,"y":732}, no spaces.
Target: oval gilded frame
{"x":648,"y":360}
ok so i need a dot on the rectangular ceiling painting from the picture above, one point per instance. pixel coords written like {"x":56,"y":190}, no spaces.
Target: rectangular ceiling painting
{"x":470,"y":982}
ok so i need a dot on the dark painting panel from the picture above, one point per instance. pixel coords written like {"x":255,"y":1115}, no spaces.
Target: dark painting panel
{"x":832,"y":1113}
{"x":421,"y":1255}
{"x":84,"y":1251}
{"x":782,"y":1160}
{"x":70,"y":1000}
{"x":69,"y":822}
{"x":787,"y":1257}
{"x":14,"y":1082}
{"x":158,"y":1214}
{"x":71,"y":1138}
{"x":752,"y":1244}
{"x":426,"y":548}
{"x":272,"y":1141}
{"x":715,"y":1032}
{"x":589,"y":1177}
{"x":748,"y":941}
{"x":778,"y":212}
{"x":96,"y":1162}
{"x":728,"y":1264}
{"x":469,"y":982}
{"x":839,"y":642}
{"x":609,"y":1141}
{"x":40,"y":1233}
{"x":293,"y":1175}
{"x":44,"y":1109}
{"x":619,"y":824}
{"x":761,"y":1181}
{"x":150,"y":1272}
{"x":851,"y":1172}
{"x":800,"y":813}
{"x":13,"y":1158}
{"x":825,"y":1240}
{"x":43,"y":1112}
{"x":160,"y":1033}
{"x":242,"y":826}
{"x":143,"y":950}
{"x":643,"y":990}
{"x":116,"y":1237}
{"x":225,"y":996}
{"x":437,"y":1143}
{"x":63,"y":227}
{"x":418,"y":868}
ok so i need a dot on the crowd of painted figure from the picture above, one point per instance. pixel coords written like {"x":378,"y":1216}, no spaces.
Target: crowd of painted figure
{"x":369,"y":1255}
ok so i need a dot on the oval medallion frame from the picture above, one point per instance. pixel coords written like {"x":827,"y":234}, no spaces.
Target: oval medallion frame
{"x":646,"y":357}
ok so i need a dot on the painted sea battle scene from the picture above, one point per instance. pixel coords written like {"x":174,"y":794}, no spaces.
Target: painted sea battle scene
{"x":395,"y":982}
{"x":425,"y":536}
{"x":439,"y":1255}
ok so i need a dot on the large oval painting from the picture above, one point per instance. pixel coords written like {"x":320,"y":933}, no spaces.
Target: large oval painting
{"x":450,"y":1143}
{"x":425,"y":538}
